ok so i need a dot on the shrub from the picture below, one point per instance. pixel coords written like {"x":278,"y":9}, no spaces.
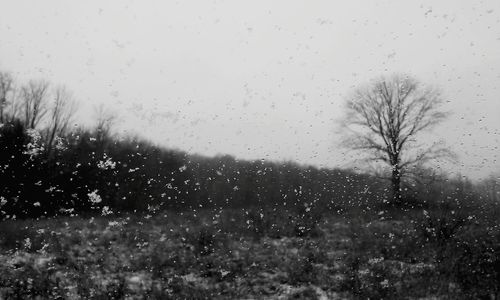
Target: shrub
{"x":472,"y":260}
{"x":301,"y":271}
{"x":205,"y":240}
{"x":273,"y":223}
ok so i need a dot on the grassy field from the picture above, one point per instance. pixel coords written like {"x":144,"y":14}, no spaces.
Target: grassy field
{"x":247,"y":255}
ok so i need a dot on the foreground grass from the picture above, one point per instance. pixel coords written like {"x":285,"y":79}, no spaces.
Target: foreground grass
{"x":247,"y":255}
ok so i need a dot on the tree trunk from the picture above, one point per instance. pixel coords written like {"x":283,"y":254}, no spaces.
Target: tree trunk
{"x":396,"y":184}
{"x":51,"y":140}
{"x":2,"y":104}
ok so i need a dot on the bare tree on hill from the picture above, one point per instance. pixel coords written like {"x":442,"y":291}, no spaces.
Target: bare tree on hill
{"x":384,"y":119}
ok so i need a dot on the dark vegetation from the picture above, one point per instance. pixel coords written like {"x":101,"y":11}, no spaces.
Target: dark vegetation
{"x":135,"y":176}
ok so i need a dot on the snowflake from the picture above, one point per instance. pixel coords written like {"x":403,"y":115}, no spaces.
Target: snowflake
{"x":60,"y":146}
{"x":384,"y":283}
{"x":94,"y":197}
{"x":106,"y":211}
{"x":106,"y":164}
{"x":113,"y":223}
{"x":34,"y":147}
{"x":27,"y":243}
{"x":375,"y":260}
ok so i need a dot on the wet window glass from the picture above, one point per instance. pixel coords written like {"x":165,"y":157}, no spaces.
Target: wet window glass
{"x":250,"y":150}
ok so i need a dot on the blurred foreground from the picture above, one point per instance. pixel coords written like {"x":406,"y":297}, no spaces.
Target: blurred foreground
{"x":253,"y":254}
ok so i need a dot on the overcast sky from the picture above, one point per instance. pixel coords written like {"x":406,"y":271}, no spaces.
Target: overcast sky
{"x":262,"y":79}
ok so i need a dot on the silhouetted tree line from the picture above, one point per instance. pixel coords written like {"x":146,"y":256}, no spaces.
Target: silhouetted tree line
{"x":225,"y":181}
{"x":86,"y":171}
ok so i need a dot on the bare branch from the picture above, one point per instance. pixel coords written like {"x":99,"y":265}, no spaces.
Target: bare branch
{"x":7,"y":94}
{"x":61,"y":113}
{"x":105,"y":121}
{"x":34,"y":99}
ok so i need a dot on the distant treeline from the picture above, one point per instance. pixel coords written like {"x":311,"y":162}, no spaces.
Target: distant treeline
{"x":87,"y":171}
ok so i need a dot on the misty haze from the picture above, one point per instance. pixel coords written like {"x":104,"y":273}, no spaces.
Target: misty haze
{"x":250,"y":150}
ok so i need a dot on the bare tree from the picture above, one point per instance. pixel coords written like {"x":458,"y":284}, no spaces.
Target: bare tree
{"x":105,"y":120}
{"x":34,"y":99}
{"x":60,"y":115}
{"x":491,"y":188}
{"x":6,"y":92}
{"x":383,"y":120}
